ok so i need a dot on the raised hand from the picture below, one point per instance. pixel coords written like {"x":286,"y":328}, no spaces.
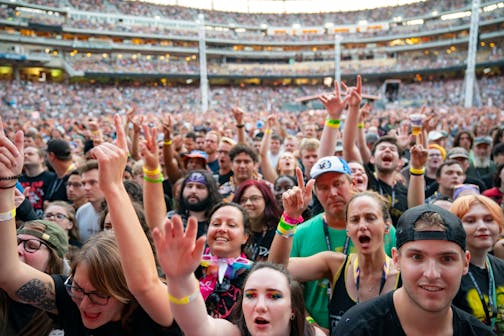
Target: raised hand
{"x":271,"y":121}
{"x":418,"y":156}
{"x":112,"y":159}
{"x":11,"y":158}
{"x":297,"y":199}
{"x":178,"y":251}
{"x":333,"y":102}
{"x":238,"y":115}
{"x":353,"y":94}
{"x":149,"y":150}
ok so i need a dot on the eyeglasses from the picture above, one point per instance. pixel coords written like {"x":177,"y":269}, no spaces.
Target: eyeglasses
{"x":51,"y":216}
{"x":253,"y":199}
{"x":78,"y":294}
{"x":31,"y":245}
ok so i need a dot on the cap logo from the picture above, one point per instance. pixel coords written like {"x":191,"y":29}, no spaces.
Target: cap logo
{"x":326,"y":164}
{"x":45,"y":236}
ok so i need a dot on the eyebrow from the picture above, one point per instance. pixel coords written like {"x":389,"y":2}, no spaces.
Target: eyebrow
{"x":413,"y":250}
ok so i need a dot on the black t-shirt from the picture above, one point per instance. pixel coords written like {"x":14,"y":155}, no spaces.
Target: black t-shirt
{"x":259,"y":245}
{"x":39,"y":188}
{"x":379,"y":317}
{"x":396,"y":195}
{"x":71,"y":322}
{"x":57,"y":190}
{"x":468,"y":298}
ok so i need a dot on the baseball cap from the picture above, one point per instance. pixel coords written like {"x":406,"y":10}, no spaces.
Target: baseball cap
{"x":482,"y":140}
{"x":330,"y":164}
{"x":49,"y":232}
{"x":435,"y":135}
{"x":196,"y":154}
{"x":371,"y":138}
{"x":60,"y":148}
{"x":406,"y":227}
{"x":458,"y":152}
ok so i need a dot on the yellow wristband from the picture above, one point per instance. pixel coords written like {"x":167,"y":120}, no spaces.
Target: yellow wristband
{"x":5,"y":216}
{"x":267,"y":131}
{"x":153,"y":172}
{"x":186,"y":299}
{"x":417,"y":172}
{"x":333,"y":123}
{"x":167,"y":142}
{"x":310,"y":319}
{"x":360,"y":125}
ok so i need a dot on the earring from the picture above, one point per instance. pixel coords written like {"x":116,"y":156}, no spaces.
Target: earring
{"x":292,"y":317}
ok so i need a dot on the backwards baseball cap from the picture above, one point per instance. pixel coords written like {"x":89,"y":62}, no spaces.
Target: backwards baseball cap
{"x":458,"y":152}
{"x":60,"y":148}
{"x":49,"y":232}
{"x":406,"y":227}
{"x":196,"y":154}
{"x":330,"y":164}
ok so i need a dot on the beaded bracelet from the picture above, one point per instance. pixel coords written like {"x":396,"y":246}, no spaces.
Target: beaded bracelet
{"x":153,"y":172}
{"x":186,"y":299}
{"x":5,"y":216}
{"x":9,"y":178}
{"x":333,"y":123}
{"x":417,"y":172}
{"x":154,"y":180}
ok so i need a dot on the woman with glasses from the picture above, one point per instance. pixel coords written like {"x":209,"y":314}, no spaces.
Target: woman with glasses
{"x":481,"y":291}
{"x":113,"y":287}
{"x":41,"y":245}
{"x":224,"y":266}
{"x":263,"y":213}
{"x":63,"y":214}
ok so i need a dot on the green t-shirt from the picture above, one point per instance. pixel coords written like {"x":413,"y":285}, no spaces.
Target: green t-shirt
{"x":309,"y":240}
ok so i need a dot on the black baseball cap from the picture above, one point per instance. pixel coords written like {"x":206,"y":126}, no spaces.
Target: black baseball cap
{"x":60,"y":148}
{"x":406,"y":227}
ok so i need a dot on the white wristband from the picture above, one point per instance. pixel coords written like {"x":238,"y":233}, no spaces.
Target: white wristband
{"x":5,"y":216}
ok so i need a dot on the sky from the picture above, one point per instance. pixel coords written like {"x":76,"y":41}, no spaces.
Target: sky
{"x":282,"y":6}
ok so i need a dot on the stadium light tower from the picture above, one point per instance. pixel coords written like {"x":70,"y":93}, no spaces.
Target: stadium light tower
{"x":470,"y":84}
{"x":337,"y":57}
{"x":203,"y":64}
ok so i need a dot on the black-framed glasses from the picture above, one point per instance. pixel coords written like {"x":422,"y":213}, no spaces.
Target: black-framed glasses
{"x":77,"y":294}
{"x":31,"y":245}
{"x":52,"y":216}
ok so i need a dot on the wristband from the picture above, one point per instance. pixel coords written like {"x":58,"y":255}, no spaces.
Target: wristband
{"x":267,"y":131}
{"x":167,"y":142}
{"x":292,"y":221}
{"x":285,"y":226}
{"x":333,"y":123}
{"x":186,"y":299}
{"x":153,"y":172}
{"x":417,"y":172}
{"x":240,"y":125}
{"x":310,"y":319}
{"x":9,"y":178}
{"x":154,"y":180}
{"x":360,"y":125}
{"x":285,"y":230}
{"x":285,"y":235}
{"x":5,"y":216}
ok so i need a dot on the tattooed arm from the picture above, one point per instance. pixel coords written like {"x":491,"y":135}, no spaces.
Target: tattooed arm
{"x":22,"y":282}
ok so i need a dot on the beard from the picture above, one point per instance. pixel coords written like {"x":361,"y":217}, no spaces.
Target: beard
{"x":481,"y":162}
{"x":198,"y":206}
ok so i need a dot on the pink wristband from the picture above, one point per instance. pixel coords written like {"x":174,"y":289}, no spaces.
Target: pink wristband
{"x":292,"y":221}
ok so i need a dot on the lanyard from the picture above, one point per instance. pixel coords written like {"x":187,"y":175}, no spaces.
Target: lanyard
{"x":383,"y":278}
{"x":329,"y":248}
{"x":492,"y":296}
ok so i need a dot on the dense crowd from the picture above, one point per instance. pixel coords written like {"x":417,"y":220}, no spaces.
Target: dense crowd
{"x":109,"y":189}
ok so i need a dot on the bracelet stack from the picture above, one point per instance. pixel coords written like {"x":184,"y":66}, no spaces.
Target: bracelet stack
{"x":153,"y":176}
{"x":287,"y":225}
{"x":333,"y":123}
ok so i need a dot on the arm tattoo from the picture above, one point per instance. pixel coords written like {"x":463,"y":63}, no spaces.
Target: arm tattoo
{"x":38,"y":294}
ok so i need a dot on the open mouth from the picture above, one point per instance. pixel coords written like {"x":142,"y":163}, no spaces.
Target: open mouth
{"x":91,"y":316}
{"x":261,"y":321}
{"x":432,"y":289}
{"x":364,"y":239}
